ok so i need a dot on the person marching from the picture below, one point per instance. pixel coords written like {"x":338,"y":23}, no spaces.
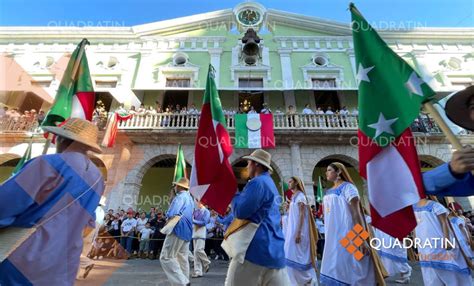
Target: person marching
{"x":48,"y":194}
{"x":174,"y":255}
{"x":441,"y":264}
{"x":342,"y":213}
{"x":301,"y":238}
{"x":201,"y":218}
{"x":264,"y":261}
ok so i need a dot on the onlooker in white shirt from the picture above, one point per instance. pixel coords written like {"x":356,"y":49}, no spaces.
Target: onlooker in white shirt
{"x":144,"y":239}
{"x":141,"y":222}
{"x":307,"y":110}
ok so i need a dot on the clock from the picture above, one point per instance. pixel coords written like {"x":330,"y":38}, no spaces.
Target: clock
{"x":249,"y":17}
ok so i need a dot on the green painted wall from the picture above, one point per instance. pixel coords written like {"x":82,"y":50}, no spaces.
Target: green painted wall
{"x":284,"y":30}
{"x":155,"y":189}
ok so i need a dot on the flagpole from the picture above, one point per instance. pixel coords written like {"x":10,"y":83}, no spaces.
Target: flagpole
{"x":446,"y":130}
{"x":75,"y":71}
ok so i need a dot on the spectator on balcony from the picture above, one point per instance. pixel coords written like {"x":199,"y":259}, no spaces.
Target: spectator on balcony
{"x":40,"y":117}
{"x":132,"y":110}
{"x":184,"y":110}
{"x":158,"y":107}
{"x":278,"y":111}
{"x":252,"y":110}
{"x":192,"y":110}
{"x":307,"y":109}
{"x":344,"y":111}
{"x":355,"y":111}
{"x":329,"y":111}
{"x":319,"y":111}
{"x":141,"y":110}
{"x":177,"y":110}
{"x":151,"y":111}
{"x":265,"y":109}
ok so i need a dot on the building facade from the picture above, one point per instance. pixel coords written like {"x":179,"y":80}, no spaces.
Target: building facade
{"x":292,"y":60}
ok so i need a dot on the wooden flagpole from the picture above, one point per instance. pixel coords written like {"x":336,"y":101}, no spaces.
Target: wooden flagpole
{"x":75,"y":72}
{"x":455,"y":142}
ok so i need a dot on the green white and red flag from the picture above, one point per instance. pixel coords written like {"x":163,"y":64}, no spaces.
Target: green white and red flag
{"x":254,"y":131}
{"x":111,"y":129}
{"x":390,"y":96}
{"x":212,"y":178}
{"x":75,"y":96}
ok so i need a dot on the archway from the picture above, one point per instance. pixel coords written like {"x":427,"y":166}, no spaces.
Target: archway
{"x":8,"y":162}
{"x":156,"y":183}
{"x":351,"y":164}
{"x":242,"y":176}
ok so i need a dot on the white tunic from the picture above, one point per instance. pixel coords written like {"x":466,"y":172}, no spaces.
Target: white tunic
{"x":438,"y":265}
{"x":456,"y":221}
{"x":339,"y":267}
{"x":298,"y":258}
{"x":393,"y":255}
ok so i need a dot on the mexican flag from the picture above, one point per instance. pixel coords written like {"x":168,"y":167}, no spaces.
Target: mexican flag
{"x":212,"y":178}
{"x":26,"y":157}
{"x":254,"y":131}
{"x":75,"y":96}
{"x":112,"y":127}
{"x":390,"y":97}
{"x":180,"y":167}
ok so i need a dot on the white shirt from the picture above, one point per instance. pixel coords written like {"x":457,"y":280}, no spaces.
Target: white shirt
{"x":115,"y":225}
{"x":307,"y":110}
{"x":329,"y":112}
{"x":128,"y":224}
{"x":146,"y":232}
{"x":252,"y":112}
{"x":141,"y":223}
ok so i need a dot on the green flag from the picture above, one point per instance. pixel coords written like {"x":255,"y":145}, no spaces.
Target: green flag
{"x":319,"y":191}
{"x":180,"y":167}
{"x":390,"y":91}
{"x":75,"y":96}
{"x":26,"y":157}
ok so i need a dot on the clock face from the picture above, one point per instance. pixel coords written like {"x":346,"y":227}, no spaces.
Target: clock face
{"x":249,"y":17}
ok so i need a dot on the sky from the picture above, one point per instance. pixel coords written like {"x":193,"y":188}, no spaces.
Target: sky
{"x":380,"y":13}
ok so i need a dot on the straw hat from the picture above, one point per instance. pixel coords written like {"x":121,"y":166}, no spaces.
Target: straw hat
{"x":183,"y":182}
{"x":79,"y":130}
{"x":262,"y":157}
{"x":457,"y":108}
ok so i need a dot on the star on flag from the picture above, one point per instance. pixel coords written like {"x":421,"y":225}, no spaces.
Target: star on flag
{"x":383,"y":125}
{"x":414,"y":84}
{"x":362,"y":74}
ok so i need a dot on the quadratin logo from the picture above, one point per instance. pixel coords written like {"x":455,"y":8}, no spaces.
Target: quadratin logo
{"x":353,"y":239}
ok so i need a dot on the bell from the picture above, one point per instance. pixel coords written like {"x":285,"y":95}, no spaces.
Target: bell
{"x":251,"y":49}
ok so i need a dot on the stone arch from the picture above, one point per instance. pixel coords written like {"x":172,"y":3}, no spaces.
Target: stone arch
{"x":127,"y":191}
{"x":6,"y":157}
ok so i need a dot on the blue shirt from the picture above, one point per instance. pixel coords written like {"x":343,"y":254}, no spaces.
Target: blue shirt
{"x":226,"y":221}
{"x":441,"y":182}
{"x":201,"y":216}
{"x":258,"y":202}
{"x":183,"y":206}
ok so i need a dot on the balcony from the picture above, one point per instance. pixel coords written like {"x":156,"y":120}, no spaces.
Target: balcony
{"x":173,"y":122}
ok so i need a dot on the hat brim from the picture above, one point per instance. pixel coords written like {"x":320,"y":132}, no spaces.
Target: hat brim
{"x":93,"y":146}
{"x":258,"y":160}
{"x":457,"y":108}
{"x":181,"y":185}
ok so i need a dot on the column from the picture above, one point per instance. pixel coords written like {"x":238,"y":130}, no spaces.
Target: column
{"x":287,"y":74}
{"x":297,"y":170}
{"x":216,"y":62}
{"x":351,"y":54}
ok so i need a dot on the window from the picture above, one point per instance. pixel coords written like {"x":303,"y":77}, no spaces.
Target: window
{"x":175,"y":97}
{"x":324,"y":83}
{"x":325,"y":99}
{"x":251,"y":83}
{"x":178,"y":82}
{"x":105,"y":84}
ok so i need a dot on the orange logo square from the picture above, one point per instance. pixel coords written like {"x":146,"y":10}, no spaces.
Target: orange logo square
{"x":354,"y":239}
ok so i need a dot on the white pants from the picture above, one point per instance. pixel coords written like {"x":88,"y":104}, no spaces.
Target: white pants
{"x":440,"y":277}
{"x":174,"y":260}
{"x":247,"y":274}
{"x":200,"y":257}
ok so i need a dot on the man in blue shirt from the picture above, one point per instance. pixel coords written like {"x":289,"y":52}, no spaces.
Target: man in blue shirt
{"x":454,"y":178}
{"x":174,"y":256}
{"x":259,"y":202}
{"x":201,"y":217}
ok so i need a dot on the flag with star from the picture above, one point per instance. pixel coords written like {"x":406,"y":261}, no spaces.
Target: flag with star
{"x":390,"y":96}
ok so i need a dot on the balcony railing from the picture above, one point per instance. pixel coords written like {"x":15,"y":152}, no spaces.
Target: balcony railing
{"x":280,"y":121}
{"x":163,"y":121}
